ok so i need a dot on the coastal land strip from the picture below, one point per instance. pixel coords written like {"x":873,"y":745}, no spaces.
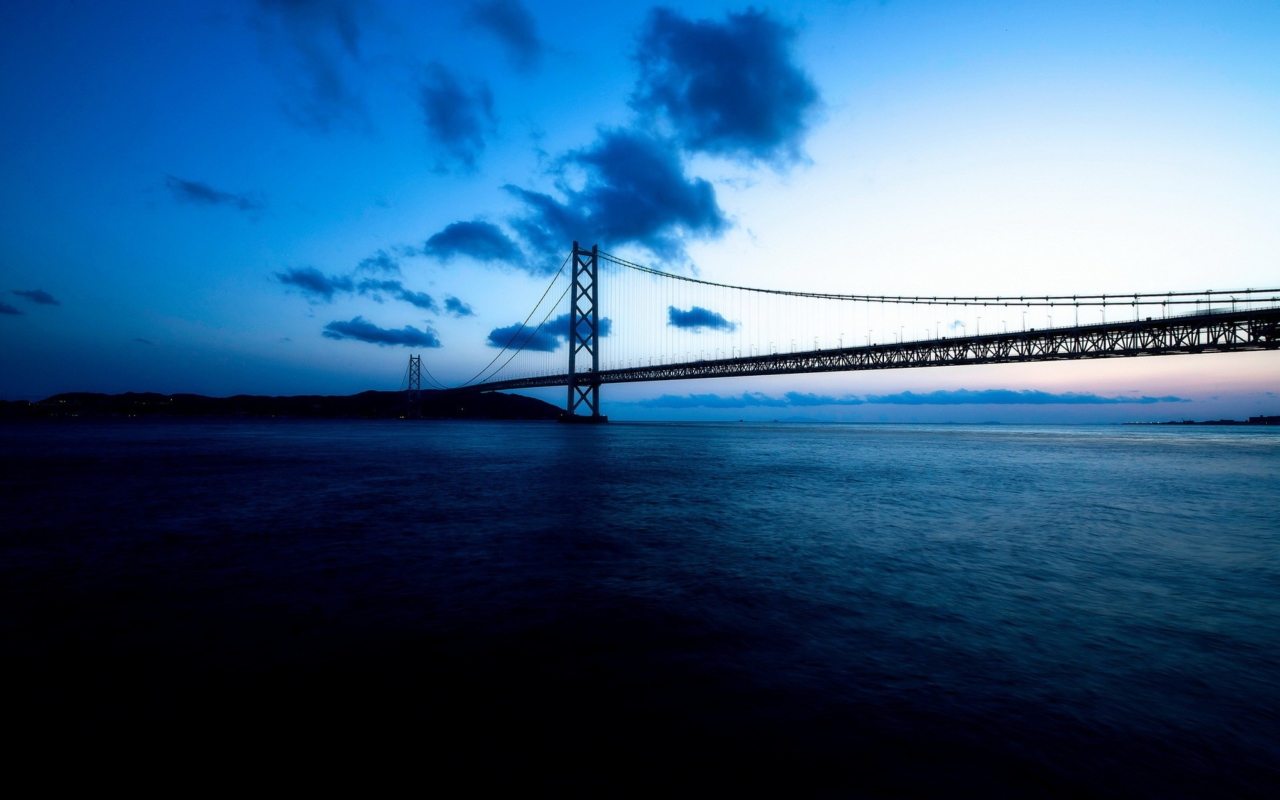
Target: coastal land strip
{"x":365,"y":405}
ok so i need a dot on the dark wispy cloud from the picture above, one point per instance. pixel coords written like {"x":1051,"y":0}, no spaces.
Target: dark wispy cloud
{"x":698,"y":319}
{"x":321,"y":287}
{"x":482,"y":241}
{"x":38,"y":296}
{"x":948,"y":398}
{"x":203,"y":194}
{"x":727,"y":88}
{"x":320,"y":60}
{"x":148,"y":342}
{"x":455,"y":307}
{"x":1006,"y":397}
{"x":515,"y":337}
{"x":635,"y":192}
{"x":544,"y":340}
{"x":5,"y":308}
{"x":380,"y":262}
{"x":316,"y":284}
{"x":459,"y":118}
{"x":513,"y":25}
{"x":377,"y":288}
{"x":362,"y":330}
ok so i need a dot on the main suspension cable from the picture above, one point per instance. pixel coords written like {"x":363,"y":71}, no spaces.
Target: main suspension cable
{"x":554,"y":306}
{"x":432,"y":378}
{"x":523,"y":325}
{"x":1140,"y":298}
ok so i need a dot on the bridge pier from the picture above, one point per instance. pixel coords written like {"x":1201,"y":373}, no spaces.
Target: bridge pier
{"x":584,"y":336}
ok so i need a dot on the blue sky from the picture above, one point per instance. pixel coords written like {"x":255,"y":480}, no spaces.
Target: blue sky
{"x":256,"y":196}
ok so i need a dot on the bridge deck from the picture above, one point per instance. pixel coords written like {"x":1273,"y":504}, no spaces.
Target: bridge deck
{"x":1216,"y":332}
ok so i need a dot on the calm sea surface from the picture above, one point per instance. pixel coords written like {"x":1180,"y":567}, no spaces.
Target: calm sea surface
{"x":1000,"y":610}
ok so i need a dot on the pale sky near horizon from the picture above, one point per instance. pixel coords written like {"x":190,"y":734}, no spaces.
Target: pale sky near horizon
{"x":174,"y":177}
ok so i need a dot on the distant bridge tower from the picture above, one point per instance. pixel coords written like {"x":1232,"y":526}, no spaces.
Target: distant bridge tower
{"x":584,"y":335}
{"x":414,"y":394}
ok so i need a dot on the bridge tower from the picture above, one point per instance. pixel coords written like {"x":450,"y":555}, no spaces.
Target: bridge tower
{"x":415,"y":386}
{"x":584,"y":335}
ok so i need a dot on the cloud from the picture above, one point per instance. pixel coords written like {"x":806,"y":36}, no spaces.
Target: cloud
{"x":376,"y":289}
{"x":315,"y":283}
{"x":38,"y":296}
{"x":512,"y":336}
{"x":726,"y":88}
{"x":635,"y":192}
{"x":5,"y":308}
{"x":959,"y":397}
{"x":698,"y":318}
{"x":381,"y":262}
{"x":746,"y":400}
{"x":482,"y":241}
{"x":203,"y":194}
{"x":459,"y":119}
{"x":545,"y":340}
{"x":513,"y":25}
{"x":1010,"y":397}
{"x":140,"y":340}
{"x":457,"y":308}
{"x":362,"y":330}
{"x":418,"y":299}
{"x":319,"y":286}
{"x":324,"y":45}
{"x":798,"y":399}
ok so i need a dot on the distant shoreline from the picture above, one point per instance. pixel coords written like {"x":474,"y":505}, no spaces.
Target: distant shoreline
{"x":365,"y":405}
{"x":1249,"y":421}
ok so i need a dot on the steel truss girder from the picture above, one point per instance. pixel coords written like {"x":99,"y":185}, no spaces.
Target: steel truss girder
{"x":1216,"y":332}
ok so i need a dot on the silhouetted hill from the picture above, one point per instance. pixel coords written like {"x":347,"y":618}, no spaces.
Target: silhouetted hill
{"x":366,"y":405}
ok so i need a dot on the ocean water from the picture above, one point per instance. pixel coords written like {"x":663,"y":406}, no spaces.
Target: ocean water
{"x":843,"y":609}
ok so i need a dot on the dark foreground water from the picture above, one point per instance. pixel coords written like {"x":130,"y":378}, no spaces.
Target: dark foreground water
{"x":879,"y":609}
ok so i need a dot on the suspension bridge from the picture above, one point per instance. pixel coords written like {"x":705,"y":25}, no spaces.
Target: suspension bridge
{"x":651,"y":325}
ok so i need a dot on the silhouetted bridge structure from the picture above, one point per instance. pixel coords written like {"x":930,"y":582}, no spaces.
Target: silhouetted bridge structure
{"x":1170,"y":323}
